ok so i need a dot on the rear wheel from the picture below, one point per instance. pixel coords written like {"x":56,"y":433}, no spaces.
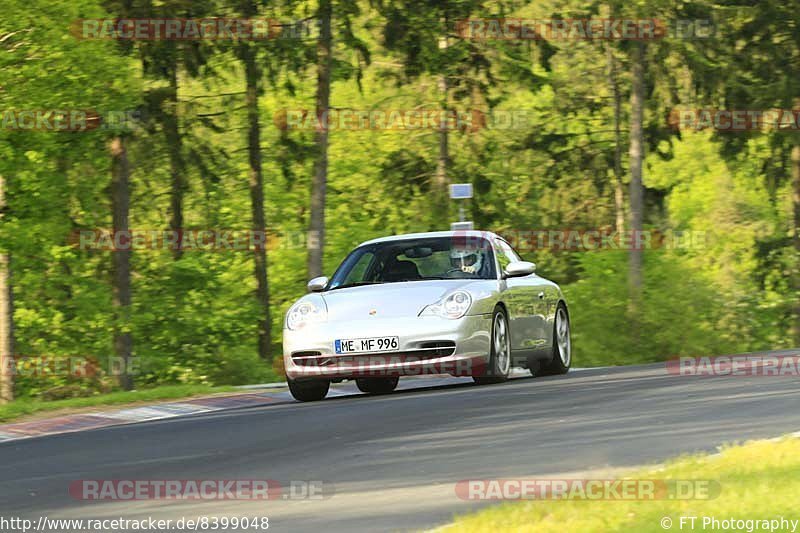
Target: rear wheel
{"x":377,"y":385}
{"x":500,"y":356}
{"x":308,"y":391}
{"x":562,"y":345}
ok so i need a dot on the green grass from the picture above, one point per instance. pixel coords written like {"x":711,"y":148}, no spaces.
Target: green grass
{"x":26,"y":406}
{"x":758,"y":480}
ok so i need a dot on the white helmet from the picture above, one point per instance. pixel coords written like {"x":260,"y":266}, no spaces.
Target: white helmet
{"x":466,"y":260}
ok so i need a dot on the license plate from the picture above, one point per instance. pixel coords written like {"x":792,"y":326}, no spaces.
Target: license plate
{"x":367,"y":345}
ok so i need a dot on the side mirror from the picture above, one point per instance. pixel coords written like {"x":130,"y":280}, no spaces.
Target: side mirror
{"x":518,"y":269}
{"x":317,"y":284}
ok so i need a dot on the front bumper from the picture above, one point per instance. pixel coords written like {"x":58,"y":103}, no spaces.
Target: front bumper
{"x":428,"y":345}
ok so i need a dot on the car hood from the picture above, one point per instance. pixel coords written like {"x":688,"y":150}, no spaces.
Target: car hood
{"x":387,"y":300}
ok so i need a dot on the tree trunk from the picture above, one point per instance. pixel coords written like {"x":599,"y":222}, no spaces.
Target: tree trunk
{"x":636,"y":155}
{"x":121,"y":272}
{"x":257,"y":196}
{"x":443,"y":160}
{"x":177,"y":166}
{"x":796,"y":241}
{"x":6,"y":315}
{"x":619,"y":194}
{"x":316,"y":232}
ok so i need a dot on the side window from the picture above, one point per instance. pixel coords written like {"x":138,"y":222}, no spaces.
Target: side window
{"x":359,"y":270}
{"x":505,"y":253}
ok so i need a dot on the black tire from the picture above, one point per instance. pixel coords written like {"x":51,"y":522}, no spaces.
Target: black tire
{"x":557,"y":365}
{"x":377,"y":385}
{"x":494,"y":373}
{"x":308,"y":391}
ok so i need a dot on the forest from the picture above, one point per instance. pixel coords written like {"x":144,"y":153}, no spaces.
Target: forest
{"x":173,"y":172}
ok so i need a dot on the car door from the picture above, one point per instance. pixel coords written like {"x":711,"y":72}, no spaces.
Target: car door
{"x":526,"y":300}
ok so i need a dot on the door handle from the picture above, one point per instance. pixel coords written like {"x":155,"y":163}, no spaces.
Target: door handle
{"x":541,"y":296}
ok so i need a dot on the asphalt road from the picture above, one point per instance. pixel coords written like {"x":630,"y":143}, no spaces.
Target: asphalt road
{"x":394,"y":460}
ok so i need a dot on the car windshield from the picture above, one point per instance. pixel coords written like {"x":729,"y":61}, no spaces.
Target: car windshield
{"x":421,"y":259}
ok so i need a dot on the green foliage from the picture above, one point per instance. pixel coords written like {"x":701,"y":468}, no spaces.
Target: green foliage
{"x":679,"y":317}
{"x":758,"y":480}
{"x":194,"y":319}
{"x":27,"y":406}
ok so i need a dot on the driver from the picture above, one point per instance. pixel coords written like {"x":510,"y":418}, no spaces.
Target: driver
{"x":466,"y":260}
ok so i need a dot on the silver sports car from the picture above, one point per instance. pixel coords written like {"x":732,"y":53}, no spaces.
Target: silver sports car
{"x":454,"y":302}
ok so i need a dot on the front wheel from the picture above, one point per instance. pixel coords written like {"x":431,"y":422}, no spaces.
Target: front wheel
{"x":500,"y":356}
{"x":562,"y":345}
{"x":308,"y":391}
{"x":377,"y":385}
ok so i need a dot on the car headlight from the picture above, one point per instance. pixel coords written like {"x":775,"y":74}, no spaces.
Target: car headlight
{"x":306,"y":312}
{"x":454,"y":305}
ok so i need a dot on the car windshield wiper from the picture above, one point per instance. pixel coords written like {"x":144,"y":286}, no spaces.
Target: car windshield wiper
{"x":356,"y":284}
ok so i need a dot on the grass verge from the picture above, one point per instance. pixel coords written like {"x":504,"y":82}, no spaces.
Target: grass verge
{"x":759,"y":480}
{"x":26,"y":407}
